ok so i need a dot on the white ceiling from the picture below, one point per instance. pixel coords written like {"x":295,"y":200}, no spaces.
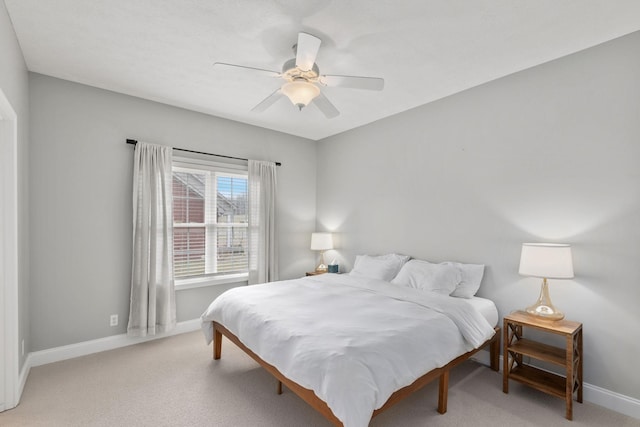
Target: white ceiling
{"x":424,"y":49}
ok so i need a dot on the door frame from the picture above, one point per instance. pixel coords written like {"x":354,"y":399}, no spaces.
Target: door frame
{"x":9,"y":251}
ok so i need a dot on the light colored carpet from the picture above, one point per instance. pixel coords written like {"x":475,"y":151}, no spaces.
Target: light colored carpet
{"x":175,"y":382}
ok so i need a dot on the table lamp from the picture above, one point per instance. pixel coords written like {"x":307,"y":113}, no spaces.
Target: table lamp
{"x":321,"y":242}
{"x":547,"y":261}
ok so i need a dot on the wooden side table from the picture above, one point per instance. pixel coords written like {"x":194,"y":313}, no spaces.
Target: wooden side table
{"x":314,"y":273}
{"x":570,"y":357}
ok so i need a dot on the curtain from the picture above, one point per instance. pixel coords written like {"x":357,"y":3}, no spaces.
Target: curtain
{"x":152,"y":306}
{"x":263,"y":253}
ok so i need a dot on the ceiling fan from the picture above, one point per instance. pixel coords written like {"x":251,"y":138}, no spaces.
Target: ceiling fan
{"x":302,"y":79}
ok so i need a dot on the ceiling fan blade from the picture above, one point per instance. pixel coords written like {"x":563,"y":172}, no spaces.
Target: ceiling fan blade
{"x":267,"y":102}
{"x":306,"y":51}
{"x":261,"y":70}
{"x":354,"y":82}
{"x":324,"y":105}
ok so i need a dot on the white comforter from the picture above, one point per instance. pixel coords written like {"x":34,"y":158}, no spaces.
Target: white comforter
{"x":353,"y":341}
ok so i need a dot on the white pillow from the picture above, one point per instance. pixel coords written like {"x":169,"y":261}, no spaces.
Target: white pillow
{"x":471,"y":278}
{"x":426,"y":276}
{"x":382,"y":267}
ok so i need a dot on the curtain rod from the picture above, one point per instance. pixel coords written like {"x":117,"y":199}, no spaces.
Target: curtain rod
{"x":134,"y":142}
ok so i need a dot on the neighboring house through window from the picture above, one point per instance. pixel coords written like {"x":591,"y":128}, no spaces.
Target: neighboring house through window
{"x":210,"y":219}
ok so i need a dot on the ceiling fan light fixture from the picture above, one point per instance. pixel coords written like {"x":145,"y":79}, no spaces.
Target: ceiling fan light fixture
{"x":300,"y":92}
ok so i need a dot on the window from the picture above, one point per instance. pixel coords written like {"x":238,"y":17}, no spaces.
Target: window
{"x":210,"y":220}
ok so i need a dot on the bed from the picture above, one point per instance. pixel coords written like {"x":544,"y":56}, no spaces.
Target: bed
{"x":352,"y":346}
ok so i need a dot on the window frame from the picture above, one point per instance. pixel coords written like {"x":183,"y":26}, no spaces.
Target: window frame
{"x":189,"y":164}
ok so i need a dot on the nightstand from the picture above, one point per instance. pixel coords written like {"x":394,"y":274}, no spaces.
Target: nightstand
{"x":569,"y":357}
{"x":314,"y":273}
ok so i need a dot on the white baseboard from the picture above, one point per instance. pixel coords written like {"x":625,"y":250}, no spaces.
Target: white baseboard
{"x":611,"y":400}
{"x":602,"y":397}
{"x":24,"y":374}
{"x":57,"y":354}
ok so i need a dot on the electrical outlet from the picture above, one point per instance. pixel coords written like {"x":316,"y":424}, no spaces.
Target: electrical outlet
{"x":113,"y":320}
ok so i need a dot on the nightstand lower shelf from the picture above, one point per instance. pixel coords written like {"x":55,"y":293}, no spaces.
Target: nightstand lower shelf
{"x":544,"y":381}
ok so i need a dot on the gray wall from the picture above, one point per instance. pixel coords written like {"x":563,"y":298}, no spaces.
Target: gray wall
{"x":547,"y":154}
{"x":81,"y":180}
{"x":14,"y":84}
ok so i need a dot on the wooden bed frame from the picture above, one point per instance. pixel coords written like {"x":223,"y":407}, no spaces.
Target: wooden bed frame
{"x":318,"y":404}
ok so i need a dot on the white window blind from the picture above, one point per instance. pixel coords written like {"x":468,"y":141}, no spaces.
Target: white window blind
{"x":209,"y":221}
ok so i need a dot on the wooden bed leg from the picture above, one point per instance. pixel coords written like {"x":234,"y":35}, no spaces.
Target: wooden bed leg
{"x":279,"y":387}
{"x":217,"y":343}
{"x":494,"y":352}
{"x":443,"y":392}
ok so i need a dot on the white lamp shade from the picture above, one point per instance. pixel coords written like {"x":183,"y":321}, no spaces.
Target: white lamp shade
{"x":546,"y":260}
{"x":300,"y":92}
{"x":321,"y":241}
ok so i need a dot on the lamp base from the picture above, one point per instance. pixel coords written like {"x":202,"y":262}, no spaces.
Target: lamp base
{"x":543,"y":308}
{"x":321,"y":268}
